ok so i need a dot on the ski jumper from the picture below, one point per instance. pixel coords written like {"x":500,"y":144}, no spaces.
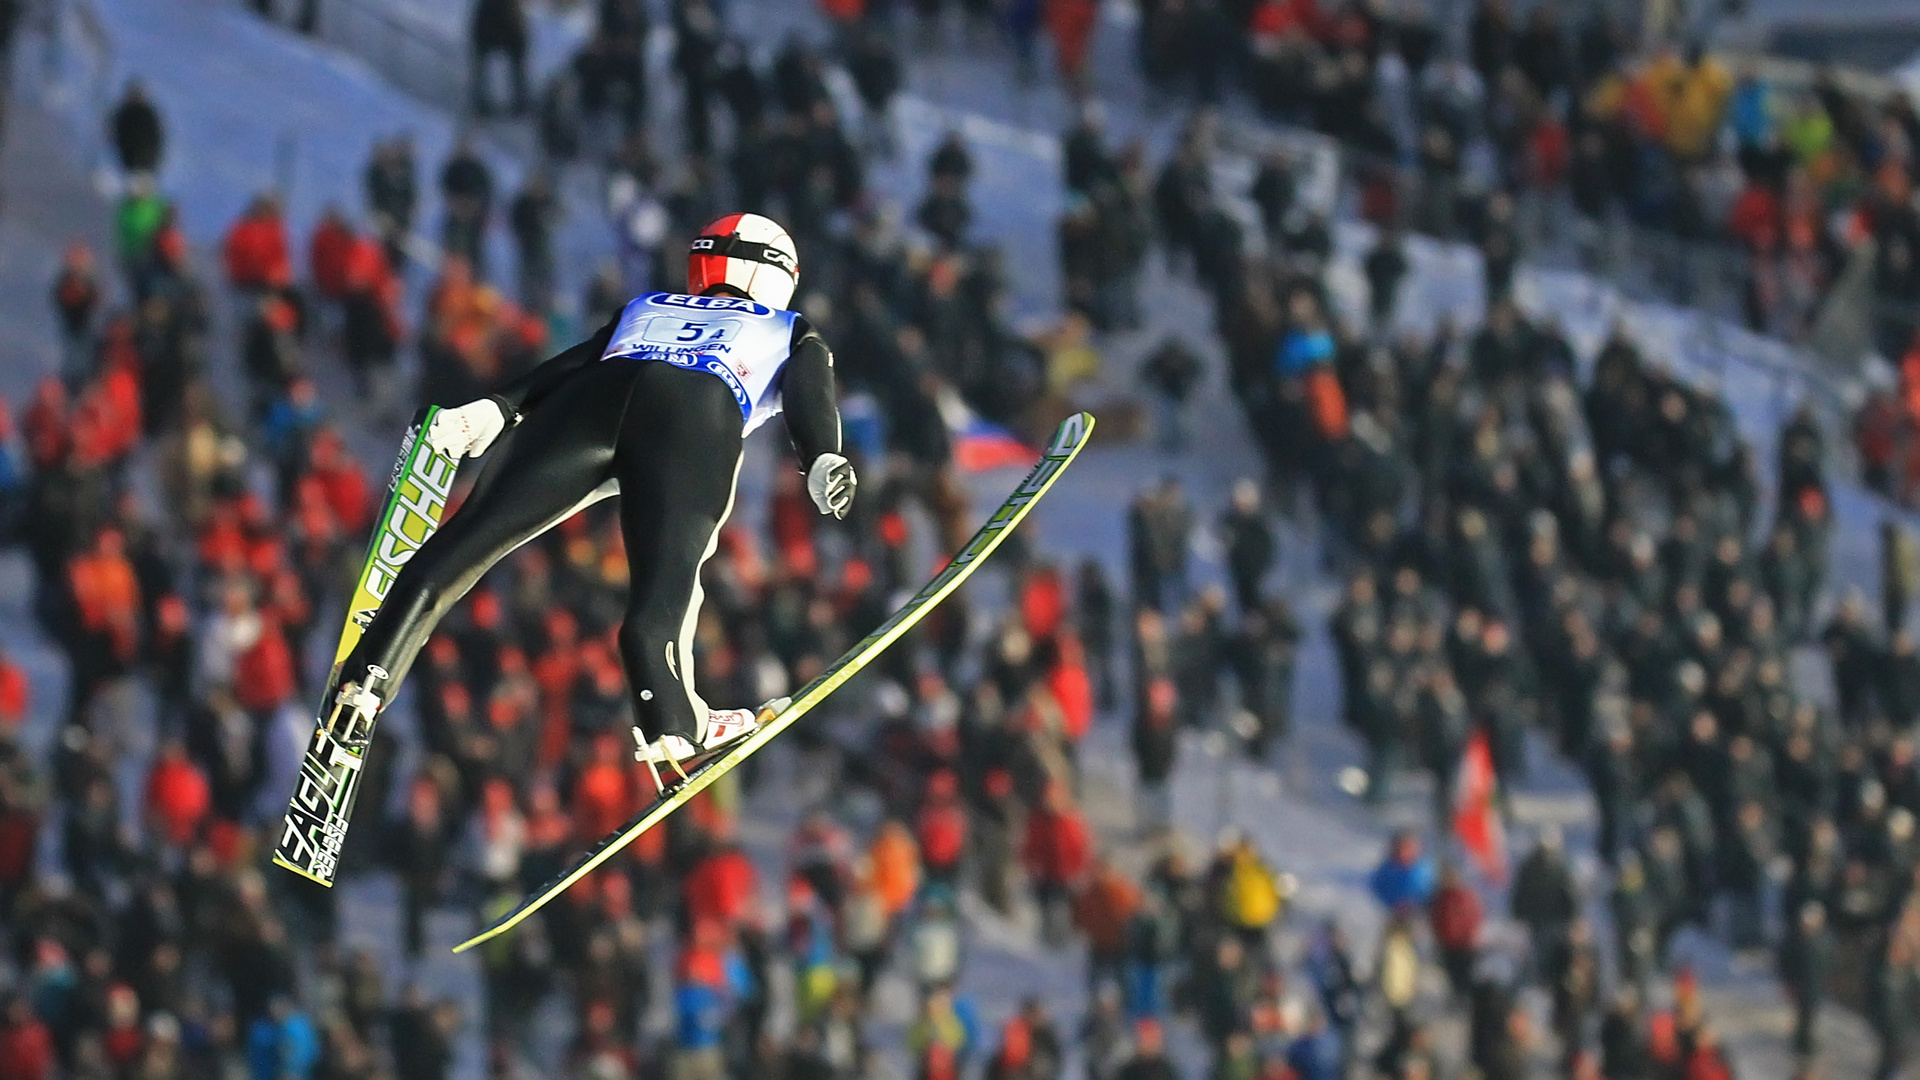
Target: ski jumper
{"x":655,"y":408}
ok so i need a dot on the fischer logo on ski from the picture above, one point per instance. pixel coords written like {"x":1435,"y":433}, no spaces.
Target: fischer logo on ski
{"x":419,"y":495}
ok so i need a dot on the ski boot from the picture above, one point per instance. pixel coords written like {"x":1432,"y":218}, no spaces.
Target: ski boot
{"x":722,"y":726}
{"x":354,"y":709}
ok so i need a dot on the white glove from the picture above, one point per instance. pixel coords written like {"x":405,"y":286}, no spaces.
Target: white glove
{"x":468,"y":430}
{"x":831,"y":483}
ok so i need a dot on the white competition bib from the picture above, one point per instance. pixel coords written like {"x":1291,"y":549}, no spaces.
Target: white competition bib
{"x":742,"y":343}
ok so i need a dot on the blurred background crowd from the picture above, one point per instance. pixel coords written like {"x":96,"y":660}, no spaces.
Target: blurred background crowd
{"x":1250,"y":760}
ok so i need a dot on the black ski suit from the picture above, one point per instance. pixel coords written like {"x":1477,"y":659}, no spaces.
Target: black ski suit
{"x":665,"y":438}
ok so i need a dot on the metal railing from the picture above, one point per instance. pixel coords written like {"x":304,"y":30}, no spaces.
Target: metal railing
{"x":418,"y":59}
{"x":66,"y":56}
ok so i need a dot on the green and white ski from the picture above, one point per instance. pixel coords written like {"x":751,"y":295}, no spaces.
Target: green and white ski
{"x":322,"y":804}
{"x":1068,"y":439}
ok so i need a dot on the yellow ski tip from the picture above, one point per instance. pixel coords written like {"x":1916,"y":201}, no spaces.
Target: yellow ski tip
{"x":308,"y":874}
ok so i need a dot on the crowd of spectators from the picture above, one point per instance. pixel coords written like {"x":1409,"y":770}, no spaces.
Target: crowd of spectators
{"x":1632,"y":132}
{"x":1592,"y":561}
{"x":1658,"y":162}
{"x":1524,"y":552}
{"x":189,"y":533}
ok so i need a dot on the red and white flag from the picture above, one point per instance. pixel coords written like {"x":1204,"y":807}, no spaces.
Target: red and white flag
{"x":1475,"y":821}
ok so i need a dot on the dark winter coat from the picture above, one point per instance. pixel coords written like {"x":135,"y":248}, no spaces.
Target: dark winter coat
{"x":138,"y":136}
{"x":1806,"y":962}
{"x":1543,"y":891}
{"x":875,"y":69}
{"x":499,"y":25}
{"x":1155,"y":744}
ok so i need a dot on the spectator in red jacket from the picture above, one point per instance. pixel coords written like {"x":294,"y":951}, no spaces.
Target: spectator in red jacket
{"x":1706,"y":1061}
{"x":263,"y":672}
{"x":328,"y":254}
{"x":602,"y":797}
{"x":124,"y":1038}
{"x":345,"y":482}
{"x":1014,"y":1059}
{"x":19,"y":842}
{"x":556,"y":670}
{"x":26,"y":1046}
{"x":1103,"y":911}
{"x":14,"y":694}
{"x":1057,"y":853}
{"x":790,"y":522}
{"x":844,"y":13}
{"x":106,"y":418}
{"x":1072,"y":690}
{"x":371,"y":325}
{"x":1043,"y":602}
{"x":45,"y":425}
{"x":178,"y":796}
{"x":76,"y":298}
{"x":1071,"y":24}
{"x":941,"y":829}
{"x":722,"y":885}
{"x":1754,"y":218}
{"x":1455,"y":914}
{"x":256,"y":250}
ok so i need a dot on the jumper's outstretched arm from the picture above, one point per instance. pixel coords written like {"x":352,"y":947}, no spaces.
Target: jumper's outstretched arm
{"x":807,"y":396}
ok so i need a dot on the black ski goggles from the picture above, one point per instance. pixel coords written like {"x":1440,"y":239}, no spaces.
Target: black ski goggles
{"x":733,"y":247}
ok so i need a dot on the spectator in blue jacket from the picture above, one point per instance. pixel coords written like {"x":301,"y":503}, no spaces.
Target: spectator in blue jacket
{"x":1303,"y":349}
{"x":1316,"y":1054}
{"x":709,"y":980}
{"x":282,"y":1045}
{"x":1406,"y":876}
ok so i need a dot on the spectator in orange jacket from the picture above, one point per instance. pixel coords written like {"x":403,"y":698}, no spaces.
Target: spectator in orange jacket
{"x":108,"y":594}
{"x":106,"y":599}
{"x":895,"y":860}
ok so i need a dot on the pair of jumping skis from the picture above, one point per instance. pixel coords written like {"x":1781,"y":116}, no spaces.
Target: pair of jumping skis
{"x":317,"y":819}
{"x":329,"y":782}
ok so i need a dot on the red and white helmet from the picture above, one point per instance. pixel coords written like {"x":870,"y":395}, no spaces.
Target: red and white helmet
{"x":749,"y":252}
